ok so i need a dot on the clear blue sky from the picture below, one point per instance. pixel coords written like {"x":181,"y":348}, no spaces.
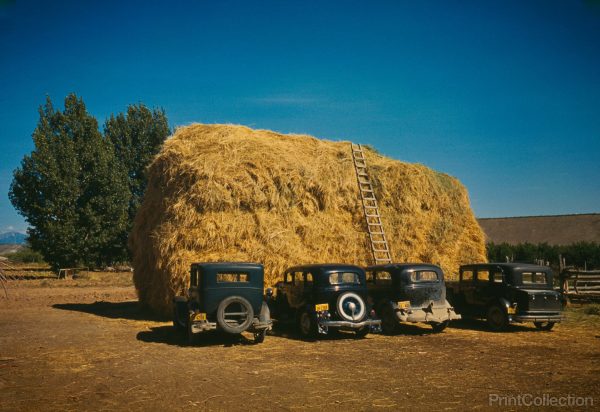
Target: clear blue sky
{"x":504,"y":95}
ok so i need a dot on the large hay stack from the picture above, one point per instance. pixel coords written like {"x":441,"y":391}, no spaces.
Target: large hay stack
{"x":221,"y":192}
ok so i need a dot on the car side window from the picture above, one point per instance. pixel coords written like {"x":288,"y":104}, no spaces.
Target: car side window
{"x":383,"y":278}
{"x":370,"y":276}
{"x":497,"y":277}
{"x":289,"y":277}
{"x":194,"y":277}
{"x":483,"y":275}
{"x":308,"y":279}
{"x":298,"y":279}
{"x":466,"y":275}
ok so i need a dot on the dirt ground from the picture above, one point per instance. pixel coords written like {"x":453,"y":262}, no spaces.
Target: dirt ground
{"x":87,"y":346}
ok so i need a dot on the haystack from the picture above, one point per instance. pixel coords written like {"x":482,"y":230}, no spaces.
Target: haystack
{"x":230,"y":193}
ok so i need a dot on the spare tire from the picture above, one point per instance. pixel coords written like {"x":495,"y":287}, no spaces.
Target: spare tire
{"x":234,"y":314}
{"x":351,"y":306}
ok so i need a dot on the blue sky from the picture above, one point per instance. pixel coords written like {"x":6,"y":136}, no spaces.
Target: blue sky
{"x":504,"y":95}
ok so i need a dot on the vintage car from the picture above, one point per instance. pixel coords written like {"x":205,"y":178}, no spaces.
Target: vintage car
{"x":225,"y":296}
{"x":503,"y":293}
{"x":409,"y":292}
{"x":324,"y":297}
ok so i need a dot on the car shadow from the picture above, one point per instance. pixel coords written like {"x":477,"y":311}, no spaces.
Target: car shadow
{"x":130,"y":310}
{"x":290,"y":331}
{"x":481,"y":325}
{"x":169,"y":336}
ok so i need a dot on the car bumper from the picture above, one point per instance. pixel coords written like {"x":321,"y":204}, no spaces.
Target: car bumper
{"x":536,"y":317}
{"x":204,"y":325}
{"x":323,"y":325}
{"x":427,"y":314}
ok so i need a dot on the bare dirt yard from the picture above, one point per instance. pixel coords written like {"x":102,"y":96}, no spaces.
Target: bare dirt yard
{"x":85,"y":344}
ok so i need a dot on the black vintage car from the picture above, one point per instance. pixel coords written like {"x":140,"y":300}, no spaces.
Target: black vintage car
{"x":507,"y":292}
{"x":409,"y":292}
{"x":224,"y":296}
{"x":322,"y":297}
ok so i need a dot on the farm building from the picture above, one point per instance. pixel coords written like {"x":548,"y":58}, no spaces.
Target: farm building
{"x":554,"y":230}
{"x":230,"y":193}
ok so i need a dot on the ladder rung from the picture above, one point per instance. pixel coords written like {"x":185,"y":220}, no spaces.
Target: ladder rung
{"x":374,"y":224}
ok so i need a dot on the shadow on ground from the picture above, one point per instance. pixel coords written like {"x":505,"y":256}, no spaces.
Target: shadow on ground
{"x":481,"y":325}
{"x":131,"y":310}
{"x":170,"y":336}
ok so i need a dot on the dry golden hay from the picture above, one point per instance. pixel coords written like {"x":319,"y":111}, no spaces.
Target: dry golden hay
{"x":230,"y":193}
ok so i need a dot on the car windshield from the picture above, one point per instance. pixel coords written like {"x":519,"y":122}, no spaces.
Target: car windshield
{"x":343,"y":278}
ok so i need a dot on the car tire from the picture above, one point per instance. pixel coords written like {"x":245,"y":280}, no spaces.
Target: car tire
{"x":362,"y":332}
{"x":389,"y":321}
{"x":351,"y":300}
{"x":497,"y":319}
{"x":307,"y":325}
{"x":179,"y":328}
{"x":233,"y":322}
{"x":544,"y":325}
{"x":259,"y":337}
{"x":192,"y":337}
{"x":439,"y":326}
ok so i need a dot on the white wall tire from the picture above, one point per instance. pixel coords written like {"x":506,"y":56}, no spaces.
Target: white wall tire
{"x":351,"y":307}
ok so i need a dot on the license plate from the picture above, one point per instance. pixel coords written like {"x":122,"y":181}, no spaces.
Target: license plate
{"x":405,"y":304}
{"x":198,"y":317}
{"x":322,"y":307}
{"x":511,"y":310}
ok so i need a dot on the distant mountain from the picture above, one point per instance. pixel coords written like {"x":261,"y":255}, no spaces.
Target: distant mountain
{"x":12,"y":238}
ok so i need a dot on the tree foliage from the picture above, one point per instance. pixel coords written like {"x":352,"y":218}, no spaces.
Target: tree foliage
{"x":580,"y":254}
{"x":136,"y":138}
{"x":70,"y":189}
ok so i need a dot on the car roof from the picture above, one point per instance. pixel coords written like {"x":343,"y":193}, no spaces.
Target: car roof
{"x":229,"y":265}
{"x":402,"y":266}
{"x":510,"y":266}
{"x":325,"y":266}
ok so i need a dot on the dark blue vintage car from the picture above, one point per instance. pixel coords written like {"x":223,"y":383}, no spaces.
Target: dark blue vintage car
{"x":504,"y":293}
{"x":321,"y":297}
{"x":227,"y":296}
{"x":409,"y":292}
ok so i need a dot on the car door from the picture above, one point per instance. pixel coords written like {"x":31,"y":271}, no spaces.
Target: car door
{"x":467,"y":287}
{"x":482,"y":287}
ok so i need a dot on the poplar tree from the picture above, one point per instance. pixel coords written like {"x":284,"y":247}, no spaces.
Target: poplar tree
{"x":71,"y":190}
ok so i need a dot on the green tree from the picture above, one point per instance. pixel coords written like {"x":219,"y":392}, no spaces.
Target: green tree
{"x":69,"y":189}
{"x":136,"y":136}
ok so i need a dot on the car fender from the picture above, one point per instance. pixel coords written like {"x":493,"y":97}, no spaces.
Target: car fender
{"x":501,"y":301}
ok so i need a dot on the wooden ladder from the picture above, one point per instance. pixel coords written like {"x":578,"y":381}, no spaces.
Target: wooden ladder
{"x":379,"y":244}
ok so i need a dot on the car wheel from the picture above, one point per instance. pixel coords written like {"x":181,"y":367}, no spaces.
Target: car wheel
{"x":351,"y":307}
{"x":307,"y":325}
{"x":439,"y":326}
{"x":544,"y":325}
{"x":389,"y":322}
{"x":192,"y":337}
{"x":497,"y":319}
{"x":179,"y":328}
{"x":234,"y":314}
{"x":259,"y":337}
{"x":361,"y":333}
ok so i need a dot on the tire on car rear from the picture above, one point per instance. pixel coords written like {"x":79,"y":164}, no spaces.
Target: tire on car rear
{"x":231,"y":321}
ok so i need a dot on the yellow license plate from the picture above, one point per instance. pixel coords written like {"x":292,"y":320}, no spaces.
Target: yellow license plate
{"x":405,"y":304}
{"x":198,"y":316}
{"x":511,"y":310}
{"x":322,"y":307}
